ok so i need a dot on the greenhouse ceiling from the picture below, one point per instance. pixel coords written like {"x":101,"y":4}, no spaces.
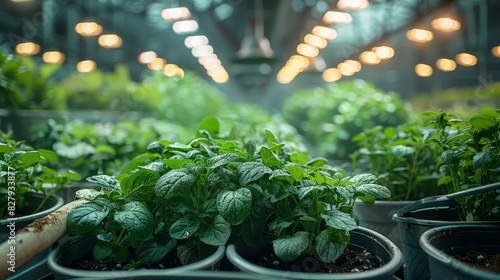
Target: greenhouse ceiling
{"x":250,"y":47}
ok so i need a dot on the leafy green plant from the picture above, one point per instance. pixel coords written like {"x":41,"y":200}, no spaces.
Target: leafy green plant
{"x":329,"y":118}
{"x":24,"y":169}
{"x":400,"y":158}
{"x":469,"y":157}
{"x":199,"y":195}
{"x":26,"y":85}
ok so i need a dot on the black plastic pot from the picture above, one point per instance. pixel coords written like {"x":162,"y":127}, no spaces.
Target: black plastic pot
{"x":361,"y":239}
{"x":442,"y":243}
{"x":423,"y":215}
{"x":76,"y":249}
{"x":378,"y":217}
{"x":36,"y":267}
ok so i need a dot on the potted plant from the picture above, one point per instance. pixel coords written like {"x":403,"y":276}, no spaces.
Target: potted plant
{"x":404,"y":163}
{"x":28,"y":185}
{"x":469,"y":160}
{"x":463,"y":251}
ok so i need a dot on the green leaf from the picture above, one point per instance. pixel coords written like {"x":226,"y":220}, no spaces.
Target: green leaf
{"x":181,"y":203}
{"x":174,"y":182}
{"x":85,"y":218}
{"x":330,"y":244}
{"x":137,"y":181}
{"x":296,"y":171}
{"x":234,"y":206}
{"x":252,"y":171}
{"x":105,"y":181}
{"x":401,"y":151}
{"x":483,"y":122}
{"x":216,"y":232}
{"x":255,"y":223}
{"x":221,"y":160}
{"x":4,"y":148}
{"x":270,"y":138}
{"x":374,"y":190}
{"x":155,"y":166}
{"x":481,"y":158}
{"x":304,"y":191}
{"x":49,"y":155}
{"x":339,"y":220}
{"x":137,"y":161}
{"x":28,"y":159}
{"x":72,"y":175}
{"x":317,"y":162}
{"x":210,"y":124}
{"x":365,"y":178}
{"x":101,"y":250}
{"x":447,"y":157}
{"x":120,"y":253}
{"x":137,"y":219}
{"x":150,"y":252}
{"x":289,"y":248}
{"x":176,"y":163}
{"x":280,"y":174}
{"x":269,"y":158}
{"x":278,"y":225}
{"x":184,"y":227}
{"x":193,"y":252}
{"x":299,"y":158}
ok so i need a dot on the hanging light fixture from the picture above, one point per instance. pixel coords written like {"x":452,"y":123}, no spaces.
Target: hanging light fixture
{"x":255,"y":47}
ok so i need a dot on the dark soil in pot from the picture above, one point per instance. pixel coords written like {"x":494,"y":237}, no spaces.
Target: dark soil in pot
{"x":481,"y":260}
{"x":349,"y":261}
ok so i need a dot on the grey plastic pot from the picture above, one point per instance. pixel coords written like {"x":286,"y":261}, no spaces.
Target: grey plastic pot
{"x":442,"y":243}
{"x":36,"y":267}
{"x":378,"y":217}
{"x":361,"y":239}
{"x":423,"y":215}
{"x":76,"y":249}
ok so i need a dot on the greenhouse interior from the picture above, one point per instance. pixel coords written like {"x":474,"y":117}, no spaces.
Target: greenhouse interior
{"x":250,"y":139}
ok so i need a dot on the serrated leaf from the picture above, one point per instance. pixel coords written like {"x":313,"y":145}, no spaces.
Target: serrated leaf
{"x":215,"y":233}
{"x":269,"y":158}
{"x":174,"y":182}
{"x":85,"y":218}
{"x":137,"y":181}
{"x":221,"y":160}
{"x":289,"y":248}
{"x":374,"y":190}
{"x":252,"y":171}
{"x":339,"y":220}
{"x":136,"y":219}
{"x":234,"y":206}
{"x":150,"y":252}
{"x":330,"y":244}
{"x":184,"y":227}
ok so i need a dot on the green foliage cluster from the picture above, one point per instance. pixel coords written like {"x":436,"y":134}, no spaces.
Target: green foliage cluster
{"x":96,"y":148}
{"x":469,"y":157}
{"x":401,"y":159}
{"x":193,"y":197}
{"x":24,"y":85}
{"x":329,"y":118}
{"x":24,"y":169}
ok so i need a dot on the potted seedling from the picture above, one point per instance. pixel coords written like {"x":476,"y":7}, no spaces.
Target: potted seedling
{"x":469,"y":161}
{"x":28,"y":185}
{"x":402,"y":161}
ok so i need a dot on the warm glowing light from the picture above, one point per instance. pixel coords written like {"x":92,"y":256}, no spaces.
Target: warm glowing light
{"x":383,"y":52}
{"x":53,"y":57}
{"x":346,"y":69}
{"x":446,"y":65}
{"x":496,"y":51}
{"x":331,"y":75}
{"x":170,"y":70}
{"x":220,"y":75}
{"x":110,"y":41}
{"x":466,"y":59}
{"x":202,"y":50}
{"x":210,"y":61}
{"x":298,"y":61}
{"x":356,"y":66}
{"x":173,"y":14}
{"x":446,"y":24}
{"x":185,"y":26}
{"x":331,"y":17}
{"x":85,"y":66}
{"x":156,"y":64}
{"x":307,"y":50}
{"x":419,"y":35}
{"x":423,"y":70}
{"x":284,"y":77}
{"x":315,"y":41}
{"x":369,"y":57}
{"x":325,"y":32}
{"x":147,"y":57}
{"x":352,"y":4}
{"x":203,"y":59}
{"x":179,"y":72}
{"x":195,"y":41}
{"x":88,"y":29}
{"x":27,"y":48}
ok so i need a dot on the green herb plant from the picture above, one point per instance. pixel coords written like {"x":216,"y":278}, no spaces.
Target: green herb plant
{"x":401,"y":160}
{"x":469,"y":157}
{"x":24,"y":169}
{"x":211,"y":191}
